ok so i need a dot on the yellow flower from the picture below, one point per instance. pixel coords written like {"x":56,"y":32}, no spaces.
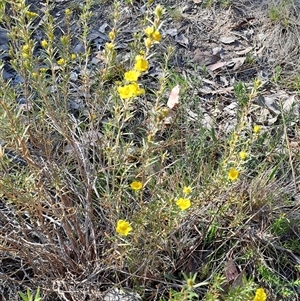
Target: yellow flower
{"x":130,"y":90}
{"x":260,"y":295}
{"x":73,"y":56}
{"x":61,"y":62}
{"x":187,"y":189}
{"x":183,"y":204}
{"x":149,"y":31}
{"x":136,"y":185}
{"x":126,"y":91}
{"x":141,"y":64}
{"x":25,"y":55}
{"x":256,"y":129}
{"x":243,"y":155}
{"x":233,"y":174}
{"x":123,"y":227}
{"x":44,"y":44}
{"x":156,"y":36}
{"x":132,"y":75}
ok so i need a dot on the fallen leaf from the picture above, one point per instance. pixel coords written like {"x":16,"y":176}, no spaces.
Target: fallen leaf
{"x":103,"y":27}
{"x":219,"y":51}
{"x":169,"y":118}
{"x":207,"y":122}
{"x":290,"y":103}
{"x":245,"y":51}
{"x":173,"y":100}
{"x":181,"y":39}
{"x":216,"y":66}
{"x":205,"y":58}
{"x":230,"y":271}
{"x":269,"y":101}
{"x":227,"y":40}
{"x":236,"y":62}
{"x":172,"y":32}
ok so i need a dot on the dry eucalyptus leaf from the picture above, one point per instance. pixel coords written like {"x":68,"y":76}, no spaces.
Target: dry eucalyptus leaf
{"x":227,"y":40}
{"x":181,"y":39}
{"x":205,"y":58}
{"x":269,"y":102}
{"x":216,"y":66}
{"x":168,"y":119}
{"x":245,"y":51}
{"x":192,"y":115}
{"x":230,"y":271}
{"x":172,"y":32}
{"x":207,"y":122}
{"x":103,"y":27}
{"x":173,"y":100}
{"x":219,"y":51}
{"x":289,"y":103}
{"x":236,"y":62}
